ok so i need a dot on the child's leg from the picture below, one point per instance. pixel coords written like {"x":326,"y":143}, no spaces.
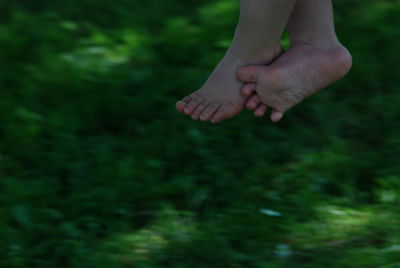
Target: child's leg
{"x":312,"y":23}
{"x":256,"y":41}
{"x":314,"y":60}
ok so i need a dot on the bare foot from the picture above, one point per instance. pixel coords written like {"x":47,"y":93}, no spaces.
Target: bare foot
{"x":294,"y":76}
{"x":219,"y":98}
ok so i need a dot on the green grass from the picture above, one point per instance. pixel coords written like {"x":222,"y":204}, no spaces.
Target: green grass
{"x":97,"y":169}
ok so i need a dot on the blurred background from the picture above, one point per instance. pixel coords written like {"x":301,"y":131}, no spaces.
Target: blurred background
{"x":97,"y":169}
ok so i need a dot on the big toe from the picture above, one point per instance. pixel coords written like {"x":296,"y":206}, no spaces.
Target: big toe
{"x":192,"y":105}
{"x":180,"y":105}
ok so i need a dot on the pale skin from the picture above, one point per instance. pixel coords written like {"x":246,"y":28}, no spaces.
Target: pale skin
{"x":314,"y":60}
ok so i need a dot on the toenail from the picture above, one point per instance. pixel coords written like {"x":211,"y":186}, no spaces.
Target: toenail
{"x":187,"y":110}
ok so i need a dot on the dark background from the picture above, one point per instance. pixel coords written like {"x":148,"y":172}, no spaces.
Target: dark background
{"x":97,"y":169}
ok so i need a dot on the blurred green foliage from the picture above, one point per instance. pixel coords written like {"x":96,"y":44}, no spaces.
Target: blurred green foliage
{"x":97,"y":169}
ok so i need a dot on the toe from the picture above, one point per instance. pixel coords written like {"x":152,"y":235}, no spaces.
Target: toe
{"x":180,"y":105}
{"x":253,"y":102}
{"x":208,"y":112}
{"x":260,"y":111}
{"x":248,"y":89}
{"x":196,"y":113}
{"x":219,"y":115}
{"x":276,"y":116}
{"x":191,"y":106}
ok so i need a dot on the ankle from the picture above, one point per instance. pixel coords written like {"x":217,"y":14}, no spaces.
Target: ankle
{"x":255,"y":55}
{"x":325,"y":43}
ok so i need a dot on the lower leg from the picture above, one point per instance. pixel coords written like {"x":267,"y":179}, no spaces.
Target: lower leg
{"x":256,"y":41}
{"x":260,"y":27}
{"x":312,"y":23}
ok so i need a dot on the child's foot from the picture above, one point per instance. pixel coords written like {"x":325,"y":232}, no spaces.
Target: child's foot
{"x":297,"y":74}
{"x":219,"y":98}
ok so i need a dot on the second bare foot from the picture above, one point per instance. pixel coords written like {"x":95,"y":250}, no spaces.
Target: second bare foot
{"x":296,"y":75}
